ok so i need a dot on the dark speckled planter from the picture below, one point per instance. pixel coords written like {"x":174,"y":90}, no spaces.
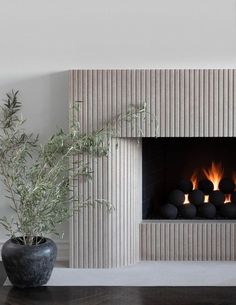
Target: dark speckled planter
{"x":29,"y":266}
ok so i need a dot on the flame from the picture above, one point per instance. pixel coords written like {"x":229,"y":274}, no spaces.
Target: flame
{"x":214,"y":174}
{"x":206,"y":198}
{"x":227,"y":198}
{"x":194,"y":180}
{"x":186,"y":200}
{"x":234,"y":177}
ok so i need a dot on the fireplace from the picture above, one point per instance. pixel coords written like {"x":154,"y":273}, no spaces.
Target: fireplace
{"x":195,"y":114}
{"x":189,"y":178}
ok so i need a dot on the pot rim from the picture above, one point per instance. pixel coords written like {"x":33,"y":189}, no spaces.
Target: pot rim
{"x":47,"y":241}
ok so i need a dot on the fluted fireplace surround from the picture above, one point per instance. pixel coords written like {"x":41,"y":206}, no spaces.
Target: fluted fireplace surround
{"x":186,"y":103}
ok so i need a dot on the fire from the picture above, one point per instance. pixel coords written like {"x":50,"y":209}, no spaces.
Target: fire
{"x":194,"y":180}
{"x":214,"y":174}
{"x":227,"y":198}
{"x":186,"y":200}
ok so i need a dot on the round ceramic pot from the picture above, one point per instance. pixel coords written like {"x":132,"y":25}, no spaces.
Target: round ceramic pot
{"x":29,"y":266}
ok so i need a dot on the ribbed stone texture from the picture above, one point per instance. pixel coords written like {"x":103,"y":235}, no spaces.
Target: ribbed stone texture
{"x":186,"y":103}
{"x":188,"y":240}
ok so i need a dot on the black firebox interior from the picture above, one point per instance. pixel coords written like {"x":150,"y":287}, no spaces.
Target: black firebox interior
{"x":167,"y":160}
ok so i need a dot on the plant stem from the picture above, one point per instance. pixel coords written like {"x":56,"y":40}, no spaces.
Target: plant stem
{"x":8,"y":184}
{"x":29,"y":240}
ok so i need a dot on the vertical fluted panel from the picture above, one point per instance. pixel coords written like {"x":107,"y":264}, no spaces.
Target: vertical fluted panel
{"x":180,"y":103}
{"x":187,"y":241}
{"x":186,"y":103}
{"x":105,"y":239}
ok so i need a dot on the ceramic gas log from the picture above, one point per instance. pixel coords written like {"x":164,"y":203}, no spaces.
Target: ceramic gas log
{"x":210,"y":197}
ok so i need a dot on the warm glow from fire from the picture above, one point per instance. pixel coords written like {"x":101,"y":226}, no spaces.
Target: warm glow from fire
{"x":234,"y":177}
{"x":227,"y":198}
{"x":194,"y":180}
{"x":206,"y":198}
{"x":186,"y":201}
{"x":214,"y":174}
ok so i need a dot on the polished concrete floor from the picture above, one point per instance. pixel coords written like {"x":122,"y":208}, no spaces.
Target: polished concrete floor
{"x":150,"y":274}
{"x":116,"y":295}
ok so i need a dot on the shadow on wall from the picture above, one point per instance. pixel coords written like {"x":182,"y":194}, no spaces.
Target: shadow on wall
{"x":44,"y":99}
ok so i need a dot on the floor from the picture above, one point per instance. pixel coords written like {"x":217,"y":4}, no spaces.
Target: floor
{"x":116,"y":295}
{"x":150,"y":274}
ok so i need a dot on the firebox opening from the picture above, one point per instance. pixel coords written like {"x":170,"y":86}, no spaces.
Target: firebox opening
{"x":189,"y":178}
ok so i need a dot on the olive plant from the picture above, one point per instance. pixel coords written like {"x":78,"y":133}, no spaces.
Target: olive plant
{"x":36,"y":176}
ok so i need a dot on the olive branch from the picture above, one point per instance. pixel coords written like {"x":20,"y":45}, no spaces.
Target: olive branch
{"x":36,"y":176}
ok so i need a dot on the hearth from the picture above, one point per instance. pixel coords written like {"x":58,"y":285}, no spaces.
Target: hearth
{"x":189,"y":178}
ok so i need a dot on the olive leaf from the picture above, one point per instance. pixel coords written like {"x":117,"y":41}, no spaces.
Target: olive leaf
{"x":36,"y":176}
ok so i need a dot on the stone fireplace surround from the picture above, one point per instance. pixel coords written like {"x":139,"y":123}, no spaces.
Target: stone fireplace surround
{"x":186,"y":103}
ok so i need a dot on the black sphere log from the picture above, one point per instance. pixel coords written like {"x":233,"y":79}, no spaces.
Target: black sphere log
{"x":176,"y":197}
{"x":207,"y":210}
{"x":233,"y":197}
{"x":228,"y":210}
{"x":185,"y":186}
{"x":217,"y":198}
{"x":206,"y":186}
{"x":169,"y":211}
{"x":226,"y":185}
{"x":196,"y":197}
{"x":188,"y":211}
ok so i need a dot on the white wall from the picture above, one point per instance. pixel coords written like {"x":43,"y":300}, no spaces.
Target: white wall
{"x":40,"y":40}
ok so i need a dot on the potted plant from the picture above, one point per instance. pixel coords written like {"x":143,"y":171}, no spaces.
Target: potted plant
{"x":36,"y":178}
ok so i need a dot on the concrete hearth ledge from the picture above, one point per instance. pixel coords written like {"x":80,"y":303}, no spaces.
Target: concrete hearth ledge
{"x":149,"y":274}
